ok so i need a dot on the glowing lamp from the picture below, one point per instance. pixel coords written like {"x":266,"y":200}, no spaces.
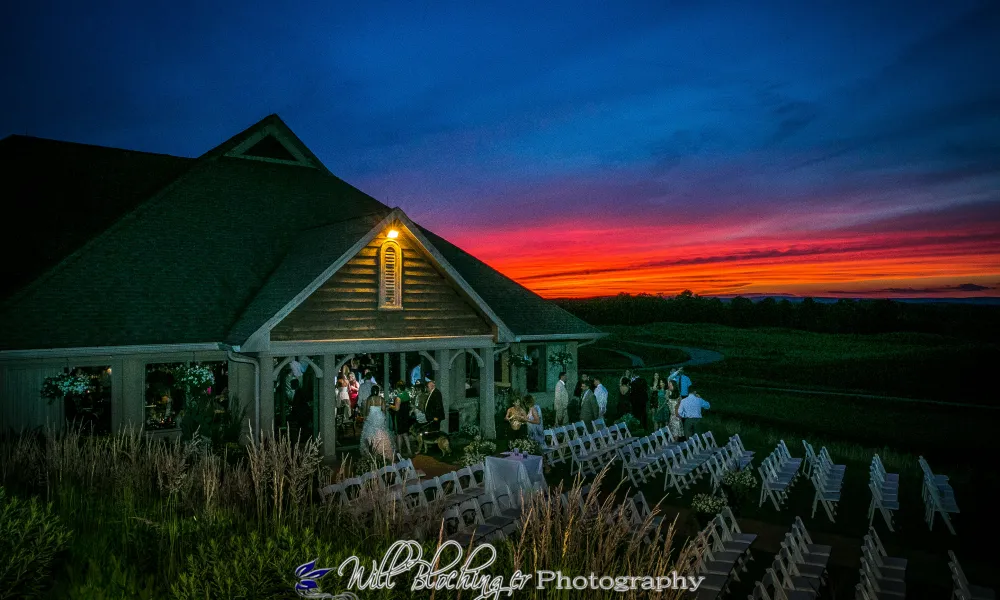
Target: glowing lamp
{"x":393,"y":234}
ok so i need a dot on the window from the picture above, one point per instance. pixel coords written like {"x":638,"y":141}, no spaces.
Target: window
{"x":390,"y":291}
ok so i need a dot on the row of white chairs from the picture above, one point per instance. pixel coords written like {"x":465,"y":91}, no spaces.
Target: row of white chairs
{"x":939,"y":497}
{"x":681,"y":463}
{"x":799,"y":570}
{"x":398,"y":477}
{"x":827,"y":479}
{"x":884,"y":487}
{"x":590,"y":453}
{"x":557,"y":440}
{"x":882,"y":576}
{"x":961,"y":588}
{"x":480,"y":517}
{"x":778,"y":473}
{"x":388,"y":476}
{"x":722,"y":552}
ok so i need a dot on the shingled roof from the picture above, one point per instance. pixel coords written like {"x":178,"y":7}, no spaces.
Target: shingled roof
{"x":196,"y":250}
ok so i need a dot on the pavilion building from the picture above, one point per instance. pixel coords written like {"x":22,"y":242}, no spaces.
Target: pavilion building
{"x":249,"y":258}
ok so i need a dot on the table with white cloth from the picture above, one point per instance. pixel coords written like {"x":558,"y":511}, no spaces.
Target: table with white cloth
{"x":516,"y":472}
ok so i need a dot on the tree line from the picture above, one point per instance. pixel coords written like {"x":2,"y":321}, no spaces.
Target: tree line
{"x":981,"y":322}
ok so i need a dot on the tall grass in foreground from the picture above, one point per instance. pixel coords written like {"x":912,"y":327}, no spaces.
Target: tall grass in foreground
{"x":152,"y":519}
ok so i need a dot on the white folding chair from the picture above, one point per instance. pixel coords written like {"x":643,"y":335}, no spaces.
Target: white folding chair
{"x":962,"y":589}
{"x":939,"y":497}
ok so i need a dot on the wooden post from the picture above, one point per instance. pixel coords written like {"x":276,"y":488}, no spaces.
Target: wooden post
{"x":133,"y":388}
{"x":403,"y":373}
{"x":328,"y":406}
{"x":266,"y":384}
{"x":458,"y":379}
{"x":442,"y":377}
{"x":572,"y":371}
{"x":487,"y":402}
{"x":386,"y":376}
{"x":118,"y":396}
{"x":518,"y":373}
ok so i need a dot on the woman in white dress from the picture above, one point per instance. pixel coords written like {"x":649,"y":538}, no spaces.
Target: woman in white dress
{"x":376,"y":439}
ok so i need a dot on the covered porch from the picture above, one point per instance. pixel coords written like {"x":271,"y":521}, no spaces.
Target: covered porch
{"x":464,"y":369}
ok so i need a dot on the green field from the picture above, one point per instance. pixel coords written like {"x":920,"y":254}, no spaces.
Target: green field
{"x":848,"y":387}
{"x":907,"y":365}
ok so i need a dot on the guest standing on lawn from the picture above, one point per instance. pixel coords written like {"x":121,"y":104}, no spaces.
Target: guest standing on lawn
{"x":674,"y":404}
{"x":561,"y":401}
{"x":517,"y":417}
{"x":601,"y":395}
{"x":690,"y":412}
{"x":435,"y":408}
{"x":535,"y":427}
{"x":639,"y":397}
{"x":589,"y":409}
{"x":401,"y":408}
{"x":662,"y":415}
{"x":682,"y":381}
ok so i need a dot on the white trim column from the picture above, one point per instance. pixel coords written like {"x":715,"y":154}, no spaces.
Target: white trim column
{"x":265,"y":382}
{"x":442,"y":377}
{"x":328,"y":406}
{"x":386,"y":374}
{"x":132,"y":399}
{"x":487,"y":400}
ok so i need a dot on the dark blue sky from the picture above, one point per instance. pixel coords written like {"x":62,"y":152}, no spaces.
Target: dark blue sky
{"x":723,"y":147}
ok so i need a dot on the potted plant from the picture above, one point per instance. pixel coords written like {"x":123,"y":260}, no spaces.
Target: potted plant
{"x":520,"y":360}
{"x":561,"y":358}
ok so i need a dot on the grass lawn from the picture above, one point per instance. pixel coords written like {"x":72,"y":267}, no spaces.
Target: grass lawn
{"x":897,"y":364}
{"x":650,"y":356}
{"x":592,"y":357}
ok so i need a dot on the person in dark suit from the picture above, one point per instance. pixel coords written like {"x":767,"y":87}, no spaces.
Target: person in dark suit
{"x":639,"y":396}
{"x":434,"y":409}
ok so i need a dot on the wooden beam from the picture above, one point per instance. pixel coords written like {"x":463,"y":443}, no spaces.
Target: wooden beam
{"x":359,"y":345}
{"x":318,"y":371}
{"x":434,"y":363}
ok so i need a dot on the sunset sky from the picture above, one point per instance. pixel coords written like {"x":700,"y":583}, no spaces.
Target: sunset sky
{"x":813,"y":148}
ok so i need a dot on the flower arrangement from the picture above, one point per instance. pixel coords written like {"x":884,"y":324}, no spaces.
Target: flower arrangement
{"x":477,"y":451}
{"x":525,"y":446}
{"x":65,"y":384}
{"x":707,"y":504}
{"x":561,"y":358}
{"x":736,"y":479}
{"x":193,"y":378}
{"x":739,"y":484}
{"x":470,"y":430}
{"x":519,"y":360}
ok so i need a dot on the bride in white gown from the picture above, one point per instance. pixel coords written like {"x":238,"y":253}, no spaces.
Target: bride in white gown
{"x":376,"y":439}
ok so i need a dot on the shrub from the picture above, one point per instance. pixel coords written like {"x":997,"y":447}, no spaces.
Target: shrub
{"x":249,"y":566}
{"x":30,"y":538}
{"x":631,"y":422}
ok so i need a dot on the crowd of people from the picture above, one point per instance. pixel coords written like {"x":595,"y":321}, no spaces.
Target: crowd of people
{"x":669,"y":401}
{"x":391,"y":420}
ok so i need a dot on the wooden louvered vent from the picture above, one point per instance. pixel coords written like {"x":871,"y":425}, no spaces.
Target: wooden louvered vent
{"x":390,"y":290}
